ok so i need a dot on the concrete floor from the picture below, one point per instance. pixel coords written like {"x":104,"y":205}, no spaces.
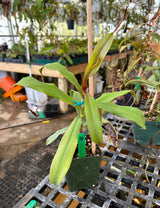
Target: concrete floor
{"x":16,"y":135}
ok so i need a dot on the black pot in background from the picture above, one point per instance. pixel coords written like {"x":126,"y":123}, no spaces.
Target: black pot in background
{"x":70,"y":23}
{"x":51,"y":110}
{"x":127,"y":100}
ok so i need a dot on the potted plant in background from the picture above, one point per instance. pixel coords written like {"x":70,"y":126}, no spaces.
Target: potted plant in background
{"x":151,"y":136}
{"x":88,"y":115}
{"x":71,"y":12}
{"x":149,"y":75}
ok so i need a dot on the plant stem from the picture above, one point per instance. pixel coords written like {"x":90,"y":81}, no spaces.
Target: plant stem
{"x":155,"y":102}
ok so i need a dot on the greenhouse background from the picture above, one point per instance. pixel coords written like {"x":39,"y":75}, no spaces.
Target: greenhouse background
{"x":81,"y":97}
{"x":105,"y":16}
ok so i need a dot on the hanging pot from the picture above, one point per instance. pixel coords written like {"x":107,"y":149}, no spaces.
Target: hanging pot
{"x":148,"y":136}
{"x":83,"y":172}
{"x":70,"y":24}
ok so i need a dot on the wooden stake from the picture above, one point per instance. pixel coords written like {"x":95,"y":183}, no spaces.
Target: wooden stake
{"x":90,"y":48}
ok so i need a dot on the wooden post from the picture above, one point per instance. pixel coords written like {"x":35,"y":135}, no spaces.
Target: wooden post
{"x":90,"y":44}
{"x":62,"y":84}
{"x":90,"y":48}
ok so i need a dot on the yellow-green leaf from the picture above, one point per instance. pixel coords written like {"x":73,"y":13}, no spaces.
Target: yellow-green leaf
{"x":97,"y":57}
{"x":65,"y":72}
{"x":47,"y":88}
{"x":130,"y":113}
{"x":131,"y":66}
{"x":93,"y":119}
{"x":107,"y":97}
{"x":54,"y":136}
{"x":65,"y":152}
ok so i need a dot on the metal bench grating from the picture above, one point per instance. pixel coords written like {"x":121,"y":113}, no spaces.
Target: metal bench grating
{"x":129,"y":177}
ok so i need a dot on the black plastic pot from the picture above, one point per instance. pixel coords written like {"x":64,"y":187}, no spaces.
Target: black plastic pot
{"x":83,"y":172}
{"x":51,"y":110}
{"x":127,"y":100}
{"x":148,"y":136}
{"x":70,"y":24}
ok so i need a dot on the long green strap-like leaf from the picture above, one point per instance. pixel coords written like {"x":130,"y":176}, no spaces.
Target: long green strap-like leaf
{"x":100,"y":51}
{"x":97,"y":56}
{"x":47,"y":88}
{"x":107,"y":97}
{"x":93,"y":119}
{"x":67,"y":74}
{"x":65,"y":152}
{"x":127,"y":112}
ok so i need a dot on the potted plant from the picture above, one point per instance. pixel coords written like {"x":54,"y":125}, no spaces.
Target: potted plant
{"x":71,"y":12}
{"x":150,"y":136}
{"x":88,"y":115}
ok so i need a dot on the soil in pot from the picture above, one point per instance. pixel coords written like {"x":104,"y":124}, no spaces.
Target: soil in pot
{"x":83,"y":172}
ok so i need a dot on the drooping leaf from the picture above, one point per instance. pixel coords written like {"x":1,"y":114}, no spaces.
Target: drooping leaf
{"x":66,"y":73}
{"x":54,"y":136}
{"x":142,"y":82}
{"x":126,"y":39}
{"x":151,"y":68}
{"x":107,"y":97}
{"x":47,"y":88}
{"x":127,"y":112}
{"x":133,"y":28}
{"x":93,"y":119}
{"x":65,"y":152}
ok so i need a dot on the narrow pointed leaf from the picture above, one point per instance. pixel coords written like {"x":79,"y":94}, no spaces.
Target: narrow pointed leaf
{"x":54,"y":136}
{"x":127,"y":112}
{"x":131,"y":66}
{"x":66,"y":73}
{"x":107,"y":97}
{"x":65,"y":152}
{"x":47,"y":88}
{"x":97,"y":56}
{"x":93,"y":119}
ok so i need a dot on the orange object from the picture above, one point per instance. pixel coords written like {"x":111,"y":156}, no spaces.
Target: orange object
{"x":18,"y":97}
{"x":12,"y":92}
{"x":7,"y":83}
{"x":17,"y":88}
{"x":15,"y":95}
